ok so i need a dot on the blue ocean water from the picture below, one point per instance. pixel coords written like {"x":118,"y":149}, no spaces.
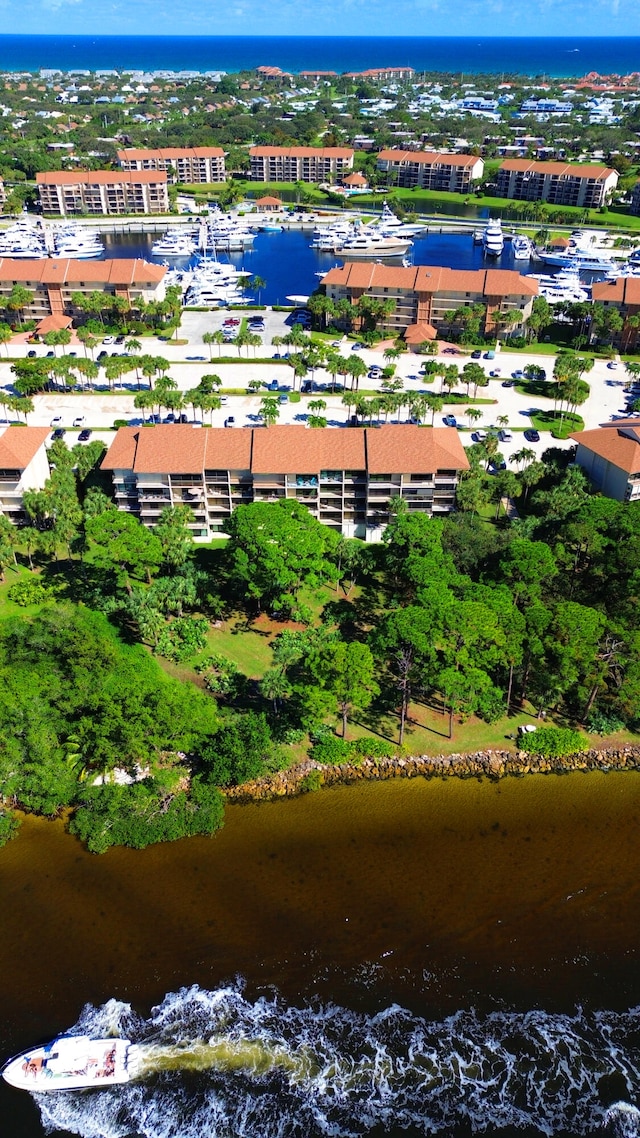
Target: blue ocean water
{"x":551,"y":56}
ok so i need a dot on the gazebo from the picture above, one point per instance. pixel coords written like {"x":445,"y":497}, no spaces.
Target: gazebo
{"x":355,"y":181}
{"x":57,"y":322}
{"x":417,"y":334}
{"x":268,"y":204}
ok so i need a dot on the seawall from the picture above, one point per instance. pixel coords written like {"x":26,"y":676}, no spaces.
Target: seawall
{"x":479,"y":764}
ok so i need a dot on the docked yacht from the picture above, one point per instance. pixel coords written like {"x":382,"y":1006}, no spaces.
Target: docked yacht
{"x":521,"y":247}
{"x":23,"y":240}
{"x":585,"y":260}
{"x":72,"y":1062}
{"x":390,"y":226}
{"x":493,"y":238}
{"x":174,"y":245}
{"x":368,"y":244}
{"x":564,"y":287}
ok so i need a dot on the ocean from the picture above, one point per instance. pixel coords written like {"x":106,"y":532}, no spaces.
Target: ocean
{"x":550,"y":56}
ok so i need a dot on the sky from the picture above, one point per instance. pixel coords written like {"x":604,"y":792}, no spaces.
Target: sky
{"x":330,"y":17}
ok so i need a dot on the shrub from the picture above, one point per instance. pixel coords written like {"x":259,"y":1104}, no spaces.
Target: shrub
{"x":603,"y":723}
{"x":374,"y":748}
{"x":29,"y":591}
{"x":554,"y":742}
{"x":312,"y":781}
{"x":332,"y":751}
{"x":294,"y":396}
{"x":8,"y":826}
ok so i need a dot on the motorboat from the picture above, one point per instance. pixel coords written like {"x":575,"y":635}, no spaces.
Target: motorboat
{"x":390,"y":226}
{"x":564,"y":287}
{"x":493,"y":238}
{"x":71,"y":1062}
{"x":521,"y":247}
{"x":585,"y":260}
{"x":367,"y":244}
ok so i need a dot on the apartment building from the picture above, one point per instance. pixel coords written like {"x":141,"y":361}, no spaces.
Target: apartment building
{"x":23,"y":466}
{"x":555,"y":182}
{"x":194,"y":164}
{"x":52,"y":283}
{"x":425,"y":294}
{"x":430,"y":170}
{"x":610,"y":456}
{"x":382,"y":74}
{"x":634,"y":208}
{"x":103,"y":192}
{"x":624,"y":294}
{"x":300,"y":163}
{"x":346,"y":478}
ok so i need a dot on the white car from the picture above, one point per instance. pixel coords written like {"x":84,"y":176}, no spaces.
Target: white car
{"x":79,"y":421}
{"x":505,"y":436}
{"x":108,"y":340}
{"x":56,"y":421}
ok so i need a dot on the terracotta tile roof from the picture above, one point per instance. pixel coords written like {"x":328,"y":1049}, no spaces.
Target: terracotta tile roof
{"x":300,"y":450}
{"x":59,"y":272}
{"x":227,"y":450}
{"x":428,"y":158}
{"x":616,"y":442}
{"x":355,"y":179}
{"x":559,"y":169}
{"x":624,"y":290}
{"x":414,"y":450}
{"x":418,"y":333}
{"x":19,"y":445}
{"x":431,"y":279}
{"x":131,"y":154}
{"x":99,"y":177}
{"x":173,"y":448}
{"x":56,"y":323}
{"x":268,"y":200}
{"x":121,"y":455}
{"x":300,"y":152}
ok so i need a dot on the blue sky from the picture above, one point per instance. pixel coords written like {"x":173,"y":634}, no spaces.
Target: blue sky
{"x":330,"y":17}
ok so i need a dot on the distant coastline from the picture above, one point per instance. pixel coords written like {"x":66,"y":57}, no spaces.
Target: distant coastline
{"x":553,"y":57}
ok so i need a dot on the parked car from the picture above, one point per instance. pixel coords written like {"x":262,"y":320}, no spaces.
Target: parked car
{"x":357,"y":347}
{"x":490,"y":355}
{"x":532,"y":436}
{"x":479,"y":436}
{"x":477,"y":355}
{"x":495,"y":467}
{"x":612,"y":365}
{"x":496,"y":372}
{"x":107,"y":340}
{"x":84,"y":435}
{"x":58,"y":433}
{"x":450,"y":421}
{"x":283,"y":398}
{"x":31,"y":355}
{"x":119,"y":340}
{"x":56,"y":421}
{"x":518,"y":374}
{"x":508,"y":383}
{"x":79,"y":421}
{"x":230,"y":422}
{"x":505,"y":435}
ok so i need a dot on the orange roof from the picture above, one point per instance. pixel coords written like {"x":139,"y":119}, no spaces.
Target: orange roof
{"x":559,"y":169}
{"x":57,"y":323}
{"x":624,"y":290}
{"x":418,"y":333}
{"x":19,"y":445}
{"x":131,"y":154}
{"x":616,"y":442}
{"x":361,"y":275}
{"x":414,"y":450}
{"x":178,"y":449}
{"x":299,"y":450}
{"x":99,"y":177}
{"x":300,"y":152}
{"x":428,"y":158}
{"x":355,"y":179}
{"x":47,"y":271}
{"x":267,"y":200}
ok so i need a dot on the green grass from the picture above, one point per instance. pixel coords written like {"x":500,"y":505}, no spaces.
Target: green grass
{"x":561,"y":427}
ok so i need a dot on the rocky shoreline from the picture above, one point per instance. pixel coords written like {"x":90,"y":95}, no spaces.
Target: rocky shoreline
{"x":310,"y":775}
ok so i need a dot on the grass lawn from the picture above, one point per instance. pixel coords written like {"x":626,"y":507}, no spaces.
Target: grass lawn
{"x":560,"y":426}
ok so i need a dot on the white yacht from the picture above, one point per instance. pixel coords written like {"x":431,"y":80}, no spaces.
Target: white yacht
{"x":521,"y":247}
{"x":584,"y":260}
{"x":493,"y":238}
{"x":72,"y":1062}
{"x":390,"y":226}
{"x":175,"y":244}
{"x":368,"y":244}
{"x":563,"y":287}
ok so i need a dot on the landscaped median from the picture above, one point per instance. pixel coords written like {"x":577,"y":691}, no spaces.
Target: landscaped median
{"x":310,"y":775}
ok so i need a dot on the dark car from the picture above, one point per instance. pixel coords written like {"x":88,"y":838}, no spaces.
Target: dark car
{"x":518,"y":374}
{"x":450,"y":351}
{"x":84,"y":435}
{"x":58,"y":433}
{"x":496,"y":467}
{"x":532,"y":436}
{"x":119,"y":340}
{"x":508,"y":383}
{"x":102,"y":355}
{"x":50,"y":355}
{"x":450,"y":421}
{"x":230,"y":422}
{"x":31,"y":355}
{"x":477,"y":355}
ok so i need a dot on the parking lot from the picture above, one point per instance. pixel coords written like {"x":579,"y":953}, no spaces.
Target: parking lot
{"x":188,"y":363}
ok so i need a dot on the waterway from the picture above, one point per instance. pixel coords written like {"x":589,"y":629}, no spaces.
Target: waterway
{"x":290,"y":267}
{"x":439,"y":957}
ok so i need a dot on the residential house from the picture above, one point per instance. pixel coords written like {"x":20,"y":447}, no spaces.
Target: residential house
{"x":346,"y":477}
{"x":103,"y":192}
{"x":430,"y":170}
{"x":610,"y":456}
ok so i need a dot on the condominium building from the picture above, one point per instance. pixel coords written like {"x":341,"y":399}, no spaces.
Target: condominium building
{"x":381,"y":74}
{"x":52,"y":283}
{"x":300,"y":163}
{"x":103,"y":192}
{"x":555,"y":182}
{"x":430,"y":170}
{"x":624,"y":294}
{"x":634,"y":208}
{"x":182,"y":164}
{"x":23,"y":466}
{"x":425,"y":295}
{"x":610,"y":456}
{"x":346,"y":477}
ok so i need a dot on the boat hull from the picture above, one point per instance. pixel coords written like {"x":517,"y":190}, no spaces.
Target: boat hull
{"x":71,"y":1063}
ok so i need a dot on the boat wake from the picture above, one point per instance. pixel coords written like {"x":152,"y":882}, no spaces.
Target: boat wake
{"x":215,"y":1064}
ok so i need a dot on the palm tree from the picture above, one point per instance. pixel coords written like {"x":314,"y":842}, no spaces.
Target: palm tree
{"x":269,"y":410}
{"x":257,"y":284}
{"x":474,"y":415}
{"x":6,"y":333}
{"x":502,"y":421}
{"x":435,"y":403}
{"x":19,"y":298}
{"x":211,"y":338}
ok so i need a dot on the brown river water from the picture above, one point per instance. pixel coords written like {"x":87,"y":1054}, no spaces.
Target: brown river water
{"x":493,"y":901}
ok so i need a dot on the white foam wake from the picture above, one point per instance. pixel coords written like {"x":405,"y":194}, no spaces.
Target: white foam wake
{"x":214,"y":1064}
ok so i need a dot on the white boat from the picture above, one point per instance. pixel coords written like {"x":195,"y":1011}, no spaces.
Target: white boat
{"x":174,"y":245}
{"x":370,"y":244}
{"x":72,"y":1062}
{"x":390,"y":226}
{"x":521,"y":247}
{"x":563,"y":287}
{"x":493,"y":238}
{"x":582,"y":259}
